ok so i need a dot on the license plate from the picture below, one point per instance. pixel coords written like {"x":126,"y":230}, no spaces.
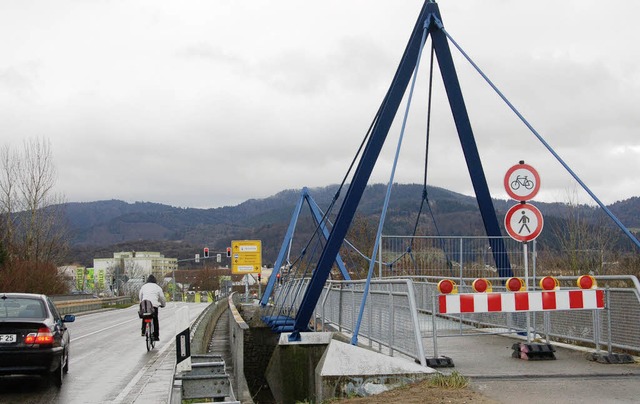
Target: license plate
{"x":7,"y":338}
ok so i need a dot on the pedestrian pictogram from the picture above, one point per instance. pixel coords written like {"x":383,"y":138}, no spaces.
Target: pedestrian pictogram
{"x":522,"y":182}
{"x":523,"y":222}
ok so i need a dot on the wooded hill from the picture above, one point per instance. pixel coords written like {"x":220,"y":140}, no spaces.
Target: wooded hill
{"x":97,"y":229}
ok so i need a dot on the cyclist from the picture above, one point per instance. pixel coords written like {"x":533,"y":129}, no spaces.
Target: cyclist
{"x":152,"y":292}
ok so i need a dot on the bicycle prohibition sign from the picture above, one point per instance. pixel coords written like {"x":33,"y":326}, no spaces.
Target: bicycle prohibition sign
{"x":522,"y":182}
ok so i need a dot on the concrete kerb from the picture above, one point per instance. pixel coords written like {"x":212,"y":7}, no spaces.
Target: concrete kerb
{"x":237,"y":328}
{"x":204,"y":326}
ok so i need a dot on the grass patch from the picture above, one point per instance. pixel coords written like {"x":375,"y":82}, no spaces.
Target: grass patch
{"x":453,"y":381}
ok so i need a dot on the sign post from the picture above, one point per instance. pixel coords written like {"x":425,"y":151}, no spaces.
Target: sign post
{"x":523,"y":221}
{"x":183,"y":342}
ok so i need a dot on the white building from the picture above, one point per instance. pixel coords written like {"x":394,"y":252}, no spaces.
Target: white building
{"x":135,"y":265}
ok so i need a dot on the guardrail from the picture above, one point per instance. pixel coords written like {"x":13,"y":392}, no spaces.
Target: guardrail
{"x":79,"y":306}
{"x":617,"y":326}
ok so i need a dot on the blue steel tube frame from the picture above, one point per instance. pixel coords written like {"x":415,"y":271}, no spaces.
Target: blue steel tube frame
{"x":317,"y":216}
{"x":283,"y":250}
{"x":372,"y":150}
{"x":469,"y":147}
{"x":361,"y":175}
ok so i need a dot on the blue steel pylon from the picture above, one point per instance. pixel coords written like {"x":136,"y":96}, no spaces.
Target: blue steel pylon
{"x":318,"y":219}
{"x":429,"y":19}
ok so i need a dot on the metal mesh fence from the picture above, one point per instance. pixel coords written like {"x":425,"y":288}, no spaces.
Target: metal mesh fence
{"x":400,"y":307}
{"x":456,"y":257}
{"x":388,"y":319}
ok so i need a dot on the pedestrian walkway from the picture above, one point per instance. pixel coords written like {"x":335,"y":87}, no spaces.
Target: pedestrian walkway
{"x":570,"y":378}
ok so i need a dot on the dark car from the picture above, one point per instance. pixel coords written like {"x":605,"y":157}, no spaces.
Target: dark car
{"x":33,"y":336}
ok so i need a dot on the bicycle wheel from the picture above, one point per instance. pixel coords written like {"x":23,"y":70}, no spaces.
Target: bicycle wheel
{"x":151,"y":335}
{"x":148,"y":335}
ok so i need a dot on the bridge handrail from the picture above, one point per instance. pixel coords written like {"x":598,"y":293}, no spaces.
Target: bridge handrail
{"x":78,"y":306}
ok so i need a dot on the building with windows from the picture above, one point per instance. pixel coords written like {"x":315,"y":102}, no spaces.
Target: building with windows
{"x":135,"y":265}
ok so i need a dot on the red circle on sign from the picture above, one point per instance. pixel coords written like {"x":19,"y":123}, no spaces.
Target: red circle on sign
{"x":520,"y":187}
{"x":516,"y":233}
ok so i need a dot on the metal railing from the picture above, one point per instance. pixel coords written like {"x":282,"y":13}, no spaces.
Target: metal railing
{"x":398,"y":315}
{"x":390,"y":316}
{"x":79,"y":306}
{"x":401,"y":299}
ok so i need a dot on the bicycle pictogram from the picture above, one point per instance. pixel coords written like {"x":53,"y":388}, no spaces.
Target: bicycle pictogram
{"x":522,"y":180}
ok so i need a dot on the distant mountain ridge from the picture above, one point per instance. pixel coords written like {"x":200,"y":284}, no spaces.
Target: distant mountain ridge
{"x":102,"y":227}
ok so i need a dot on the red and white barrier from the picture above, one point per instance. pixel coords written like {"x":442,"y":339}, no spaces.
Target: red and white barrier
{"x":521,"y":301}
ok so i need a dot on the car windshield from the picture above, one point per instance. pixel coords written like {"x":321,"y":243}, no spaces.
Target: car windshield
{"x":21,"y":307}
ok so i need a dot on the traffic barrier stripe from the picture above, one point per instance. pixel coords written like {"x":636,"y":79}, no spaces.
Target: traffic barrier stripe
{"x":521,"y":301}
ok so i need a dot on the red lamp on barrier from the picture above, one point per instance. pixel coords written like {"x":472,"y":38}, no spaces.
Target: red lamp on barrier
{"x":549,"y":283}
{"x":447,"y":286}
{"x":515,"y":285}
{"x":482,"y":285}
{"x":587,"y":282}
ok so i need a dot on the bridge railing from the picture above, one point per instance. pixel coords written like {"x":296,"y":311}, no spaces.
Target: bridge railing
{"x":389,"y":322}
{"x":79,"y":306}
{"x":398,"y":315}
{"x":619,"y":322}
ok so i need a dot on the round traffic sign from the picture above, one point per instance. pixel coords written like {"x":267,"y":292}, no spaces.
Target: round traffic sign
{"x":522,"y":182}
{"x":523,"y":222}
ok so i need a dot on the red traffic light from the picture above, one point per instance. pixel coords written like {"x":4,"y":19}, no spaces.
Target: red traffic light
{"x":206,"y":252}
{"x":228,"y":251}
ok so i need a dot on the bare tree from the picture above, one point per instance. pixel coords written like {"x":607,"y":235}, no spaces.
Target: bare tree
{"x":31,"y":225}
{"x":8,"y":196}
{"x":585,"y":239}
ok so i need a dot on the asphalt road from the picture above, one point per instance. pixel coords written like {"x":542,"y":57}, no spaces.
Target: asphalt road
{"x":108,"y":362}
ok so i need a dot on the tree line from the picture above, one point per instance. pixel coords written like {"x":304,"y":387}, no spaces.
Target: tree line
{"x":32,"y":240}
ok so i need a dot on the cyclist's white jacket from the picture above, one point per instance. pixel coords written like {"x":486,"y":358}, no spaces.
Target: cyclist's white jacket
{"x":152,"y":292}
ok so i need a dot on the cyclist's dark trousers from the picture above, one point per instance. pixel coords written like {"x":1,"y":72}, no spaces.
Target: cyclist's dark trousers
{"x":156,"y":324}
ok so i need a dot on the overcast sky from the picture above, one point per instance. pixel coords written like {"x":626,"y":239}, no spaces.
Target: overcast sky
{"x":210,"y":103}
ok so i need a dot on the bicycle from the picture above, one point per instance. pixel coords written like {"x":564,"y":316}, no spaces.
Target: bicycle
{"x":522,"y":180}
{"x":148,"y":330}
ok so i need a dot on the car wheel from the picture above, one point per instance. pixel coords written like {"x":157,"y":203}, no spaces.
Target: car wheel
{"x":58,"y":374}
{"x":65,"y":368}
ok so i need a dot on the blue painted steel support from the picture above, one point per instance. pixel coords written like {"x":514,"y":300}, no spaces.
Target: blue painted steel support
{"x":317,"y":216}
{"x":544,"y":142}
{"x":471,"y":155}
{"x":283,"y":250}
{"x":374,"y":145}
{"x":361,"y":175}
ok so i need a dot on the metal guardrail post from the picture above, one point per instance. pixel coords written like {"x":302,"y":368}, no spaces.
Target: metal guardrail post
{"x":416,"y":326}
{"x":370,"y":304}
{"x":461,"y":258}
{"x":607,"y":306}
{"x":392,"y":322}
{"x":434,"y":330}
{"x":340,"y":310}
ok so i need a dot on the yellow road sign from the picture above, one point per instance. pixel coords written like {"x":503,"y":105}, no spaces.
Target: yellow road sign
{"x":246,"y":256}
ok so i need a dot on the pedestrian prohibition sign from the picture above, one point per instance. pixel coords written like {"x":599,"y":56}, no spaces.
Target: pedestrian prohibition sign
{"x":523,"y":222}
